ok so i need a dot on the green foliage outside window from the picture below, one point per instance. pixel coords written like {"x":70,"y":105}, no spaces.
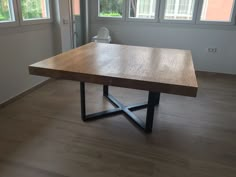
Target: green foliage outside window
{"x":4,"y":10}
{"x":111,"y":8}
{"x":31,"y":9}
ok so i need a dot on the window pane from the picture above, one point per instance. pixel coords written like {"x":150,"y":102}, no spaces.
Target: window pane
{"x":111,"y":8}
{"x":142,"y":9}
{"x":76,"y":7}
{"x":217,"y":10}
{"x":35,"y":9}
{"x":6,"y":11}
{"x":179,"y":9}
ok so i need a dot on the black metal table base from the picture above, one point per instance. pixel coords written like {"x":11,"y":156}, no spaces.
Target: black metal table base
{"x":153,"y":100}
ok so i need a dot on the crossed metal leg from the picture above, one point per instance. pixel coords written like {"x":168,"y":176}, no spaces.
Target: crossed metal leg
{"x":153,"y":100}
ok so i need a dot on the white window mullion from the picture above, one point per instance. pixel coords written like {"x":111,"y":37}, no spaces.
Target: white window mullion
{"x":138,"y":8}
{"x":176,"y":9}
{"x":190,"y":5}
{"x":150,"y":8}
{"x":204,"y":9}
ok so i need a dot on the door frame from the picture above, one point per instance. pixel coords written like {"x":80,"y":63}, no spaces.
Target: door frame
{"x":85,"y":21}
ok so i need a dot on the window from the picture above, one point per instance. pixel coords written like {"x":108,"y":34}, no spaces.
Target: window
{"x":179,"y":9}
{"x":35,"y":9}
{"x":6,"y":11}
{"x":24,"y":12}
{"x":111,"y":8}
{"x":142,"y":9}
{"x":217,"y":10}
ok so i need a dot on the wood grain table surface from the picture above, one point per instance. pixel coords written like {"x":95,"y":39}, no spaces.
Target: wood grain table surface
{"x":153,"y":69}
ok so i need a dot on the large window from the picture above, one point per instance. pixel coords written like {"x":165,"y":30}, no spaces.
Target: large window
{"x":220,"y":12}
{"x":6,"y":11}
{"x":35,"y":9}
{"x":142,"y":9}
{"x":179,"y":9}
{"x":217,"y":10}
{"x":111,"y":8}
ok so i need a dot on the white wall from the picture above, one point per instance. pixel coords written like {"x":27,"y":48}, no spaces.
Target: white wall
{"x":24,"y":45}
{"x":20,"y":47}
{"x":194,"y":37}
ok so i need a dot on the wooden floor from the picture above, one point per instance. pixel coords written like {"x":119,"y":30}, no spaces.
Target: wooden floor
{"x":42,"y":135}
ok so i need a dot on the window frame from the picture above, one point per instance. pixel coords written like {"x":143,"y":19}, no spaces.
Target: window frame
{"x":159,"y":17}
{"x":111,"y":18}
{"x":35,"y":21}
{"x":16,"y":17}
{"x":230,"y":23}
{"x":134,"y":19}
{"x":162,"y":14}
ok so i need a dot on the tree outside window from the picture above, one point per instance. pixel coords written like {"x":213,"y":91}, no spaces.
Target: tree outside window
{"x":111,"y":8}
{"x":5,"y":10}
{"x":34,"y":9}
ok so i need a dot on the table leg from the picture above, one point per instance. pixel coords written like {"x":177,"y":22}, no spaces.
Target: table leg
{"x":157,"y":99}
{"x":153,"y":100}
{"x":82,"y":100}
{"x":105,"y":90}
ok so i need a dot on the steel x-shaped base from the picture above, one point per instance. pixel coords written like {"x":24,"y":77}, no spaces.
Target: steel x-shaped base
{"x":153,"y":100}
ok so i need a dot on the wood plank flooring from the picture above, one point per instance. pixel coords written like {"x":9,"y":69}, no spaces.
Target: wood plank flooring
{"x":43,"y":135}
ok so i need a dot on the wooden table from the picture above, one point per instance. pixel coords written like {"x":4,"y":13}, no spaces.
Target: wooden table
{"x":156,"y":70}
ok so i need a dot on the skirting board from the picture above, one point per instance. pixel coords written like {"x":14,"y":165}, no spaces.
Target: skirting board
{"x":206,"y":73}
{"x":13,"y":99}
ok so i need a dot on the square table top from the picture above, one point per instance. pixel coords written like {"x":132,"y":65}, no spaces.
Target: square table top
{"x":153,"y":69}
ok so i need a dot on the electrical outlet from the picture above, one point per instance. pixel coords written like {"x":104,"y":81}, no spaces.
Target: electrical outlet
{"x":212,"y":50}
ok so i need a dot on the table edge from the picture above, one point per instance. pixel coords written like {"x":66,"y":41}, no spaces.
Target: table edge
{"x":190,"y":91}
